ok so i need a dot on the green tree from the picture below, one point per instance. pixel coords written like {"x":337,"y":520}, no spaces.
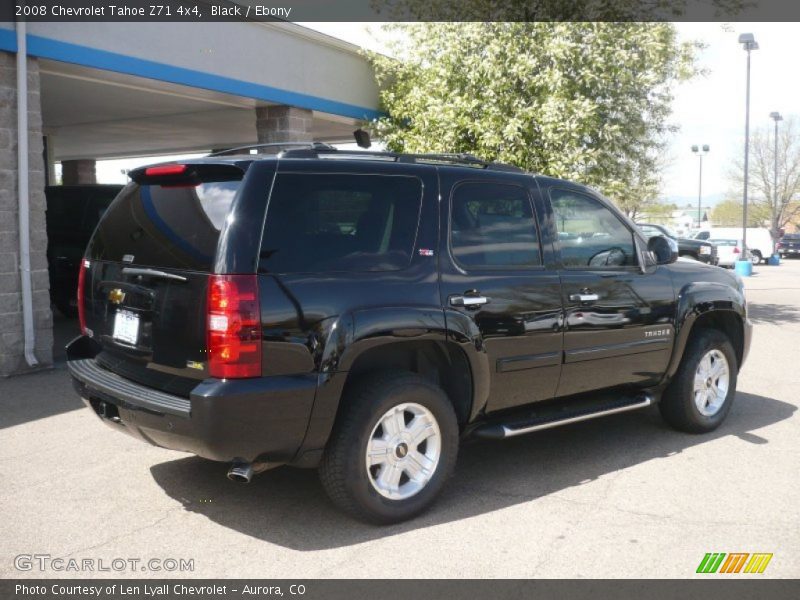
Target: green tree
{"x":552,"y":10}
{"x":728,"y":213}
{"x":585,"y":101}
{"x":774,"y":210}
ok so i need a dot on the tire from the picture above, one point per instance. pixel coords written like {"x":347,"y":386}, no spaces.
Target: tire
{"x":681,"y":405}
{"x":378,"y":494}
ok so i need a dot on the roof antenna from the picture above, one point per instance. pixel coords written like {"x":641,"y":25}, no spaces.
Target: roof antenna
{"x":362,"y":138}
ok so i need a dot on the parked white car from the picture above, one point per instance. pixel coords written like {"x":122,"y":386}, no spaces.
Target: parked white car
{"x":729,"y":251}
{"x":759,"y":239}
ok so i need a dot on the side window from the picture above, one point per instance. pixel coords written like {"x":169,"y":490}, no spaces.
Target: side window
{"x":589,"y":234}
{"x":492,"y":226}
{"x":339,"y":222}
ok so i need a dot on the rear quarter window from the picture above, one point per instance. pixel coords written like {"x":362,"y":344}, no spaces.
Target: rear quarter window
{"x":340,"y":222}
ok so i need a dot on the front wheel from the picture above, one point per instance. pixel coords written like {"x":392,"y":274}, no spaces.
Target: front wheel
{"x":700,"y":395}
{"x":393,"y":447}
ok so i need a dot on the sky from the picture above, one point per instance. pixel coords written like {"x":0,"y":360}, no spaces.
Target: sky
{"x":709,"y":109}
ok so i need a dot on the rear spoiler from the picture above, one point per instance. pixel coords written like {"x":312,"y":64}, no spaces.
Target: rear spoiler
{"x":186,"y":174}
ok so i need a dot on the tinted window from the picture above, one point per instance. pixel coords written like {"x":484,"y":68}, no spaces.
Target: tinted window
{"x":336,"y":222}
{"x":590,"y":235}
{"x":159,"y":226}
{"x":492,"y":225}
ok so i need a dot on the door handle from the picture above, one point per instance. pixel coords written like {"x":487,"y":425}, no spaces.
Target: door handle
{"x":584,"y":297}
{"x":468,"y":301}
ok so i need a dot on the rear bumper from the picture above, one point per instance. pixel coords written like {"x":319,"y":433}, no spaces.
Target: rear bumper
{"x":262,"y":419}
{"x":708,"y":259}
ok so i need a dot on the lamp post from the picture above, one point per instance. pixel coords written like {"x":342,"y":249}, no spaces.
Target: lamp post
{"x":749,"y":44}
{"x":700,"y":151}
{"x":776,"y":116}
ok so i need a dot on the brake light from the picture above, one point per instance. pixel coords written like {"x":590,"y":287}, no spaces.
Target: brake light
{"x":234,"y":326}
{"x":81,"y":281}
{"x":736,"y":250}
{"x":165,"y":170}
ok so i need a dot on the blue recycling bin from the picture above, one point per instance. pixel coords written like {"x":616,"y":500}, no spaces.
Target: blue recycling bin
{"x":774,"y":260}
{"x":743,"y":268}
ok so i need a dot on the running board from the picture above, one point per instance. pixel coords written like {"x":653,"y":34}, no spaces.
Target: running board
{"x":562,"y":417}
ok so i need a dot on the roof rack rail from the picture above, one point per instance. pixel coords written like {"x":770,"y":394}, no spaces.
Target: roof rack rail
{"x":276,"y":145}
{"x":453,"y":159}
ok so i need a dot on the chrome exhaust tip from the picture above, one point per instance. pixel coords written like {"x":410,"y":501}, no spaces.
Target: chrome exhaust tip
{"x":241,"y":472}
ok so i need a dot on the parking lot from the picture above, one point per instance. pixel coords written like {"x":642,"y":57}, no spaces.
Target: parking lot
{"x":622,"y":496}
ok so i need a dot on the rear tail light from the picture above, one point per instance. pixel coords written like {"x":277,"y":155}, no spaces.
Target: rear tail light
{"x":736,"y":250}
{"x":81,"y":296}
{"x":234,"y":326}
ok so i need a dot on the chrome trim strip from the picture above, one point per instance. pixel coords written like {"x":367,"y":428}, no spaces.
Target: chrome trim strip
{"x":152,"y":273}
{"x":508,"y":432}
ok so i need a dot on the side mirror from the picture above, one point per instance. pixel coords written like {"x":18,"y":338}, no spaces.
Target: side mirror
{"x":664,"y":249}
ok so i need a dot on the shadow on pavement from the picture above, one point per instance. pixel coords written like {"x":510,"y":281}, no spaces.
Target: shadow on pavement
{"x":289,"y":507}
{"x":772,"y":313}
{"x":38,"y":395}
{"x":43,"y":393}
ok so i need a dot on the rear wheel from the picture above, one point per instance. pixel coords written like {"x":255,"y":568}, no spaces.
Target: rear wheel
{"x":392,"y":449}
{"x":700,"y":395}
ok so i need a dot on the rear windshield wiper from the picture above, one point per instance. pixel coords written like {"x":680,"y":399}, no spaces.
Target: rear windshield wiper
{"x":152,"y":273}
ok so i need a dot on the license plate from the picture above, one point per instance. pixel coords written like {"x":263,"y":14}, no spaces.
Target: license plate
{"x":126,"y":327}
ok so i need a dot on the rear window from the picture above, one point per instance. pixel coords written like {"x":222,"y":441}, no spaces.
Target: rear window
{"x":176,"y":227}
{"x":338,"y":222}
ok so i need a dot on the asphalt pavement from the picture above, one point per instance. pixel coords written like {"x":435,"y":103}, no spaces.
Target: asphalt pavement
{"x":623,"y":496}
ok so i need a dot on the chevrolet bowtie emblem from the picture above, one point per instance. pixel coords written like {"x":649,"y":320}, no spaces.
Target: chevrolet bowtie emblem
{"x":116,"y":296}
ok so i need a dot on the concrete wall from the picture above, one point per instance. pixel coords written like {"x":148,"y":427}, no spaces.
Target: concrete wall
{"x":78,"y":172}
{"x":11,"y":333}
{"x":276,"y":124}
{"x":281,"y":63}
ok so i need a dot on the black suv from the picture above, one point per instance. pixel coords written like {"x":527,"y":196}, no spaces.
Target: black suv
{"x":789,"y":246}
{"x":697,"y":249}
{"x":361,"y":312}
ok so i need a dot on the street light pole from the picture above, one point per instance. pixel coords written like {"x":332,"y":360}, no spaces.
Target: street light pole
{"x":776,"y":116}
{"x":700,"y":151}
{"x":749,"y":44}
